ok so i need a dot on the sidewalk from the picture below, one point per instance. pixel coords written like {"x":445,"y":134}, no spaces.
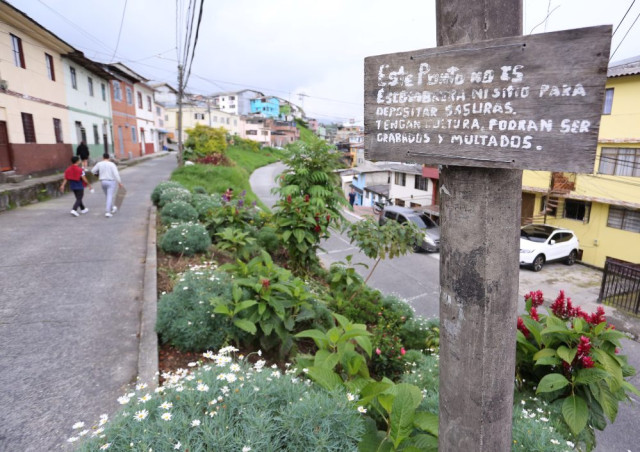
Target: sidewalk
{"x":71,"y":309}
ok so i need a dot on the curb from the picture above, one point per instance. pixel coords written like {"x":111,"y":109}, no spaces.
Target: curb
{"x":148,"y":345}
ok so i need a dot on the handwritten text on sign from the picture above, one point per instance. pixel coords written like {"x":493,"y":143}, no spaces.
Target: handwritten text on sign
{"x":524,"y":102}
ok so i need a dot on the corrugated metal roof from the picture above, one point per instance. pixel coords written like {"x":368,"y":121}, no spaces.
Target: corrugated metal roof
{"x":630,"y":66}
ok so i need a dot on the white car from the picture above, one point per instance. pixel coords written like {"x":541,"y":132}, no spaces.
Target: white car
{"x":540,"y":243}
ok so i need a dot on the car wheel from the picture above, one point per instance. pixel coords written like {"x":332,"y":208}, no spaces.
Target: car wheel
{"x":538,"y":263}
{"x":416,"y":248}
{"x":571,"y":259}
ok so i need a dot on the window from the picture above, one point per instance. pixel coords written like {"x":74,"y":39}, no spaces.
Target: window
{"x":57,"y":129}
{"x":117,"y":91}
{"x":198,"y":115}
{"x":96,"y":134}
{"x":608,"y":101}
{"x":625,"y":219}
{"x":129,"y":96}
{"x":139,"y":96}
{"x":133,"y":135}
{"x":74,"y":80}
{"x":158,"y":111}
{"x":90,"y":82}
{"x":251,"y":132}
{"x":50,"y":72}
{"x":18,"y":54}
{"x":27,"y":126}
{"x":620,"y":162}
{"x":421,"y":183}
{"x":576,"y":210}
{"x":149,"y":103}
{"x":104,"y":91}
{"x":400,"y":179}
{"x":215,"y":119}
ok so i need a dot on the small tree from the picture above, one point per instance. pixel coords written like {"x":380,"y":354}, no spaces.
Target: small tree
{"x":205,"y":140}
{"x":391,"y":239}
{"x":310,"y":201}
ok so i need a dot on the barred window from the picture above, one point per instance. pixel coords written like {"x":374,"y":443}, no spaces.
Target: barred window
{"x":620,"y":162}
{"x":28,"y":128}
{"x":57,"y":129}
{"x":577,"y":210}
{"x":625,"y":219}
{"x":117,"y":91}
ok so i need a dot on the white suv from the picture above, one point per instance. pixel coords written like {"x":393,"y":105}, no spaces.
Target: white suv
{"x":540,"y":243}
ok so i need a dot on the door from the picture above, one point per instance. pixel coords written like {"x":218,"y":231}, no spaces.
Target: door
{"x":528,"y":203}
{"x":120,"y":140}
{"x":5,"y":154}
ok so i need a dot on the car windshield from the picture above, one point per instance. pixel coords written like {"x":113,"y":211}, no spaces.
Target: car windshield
{"x":536,"y":233}
{"x":422,"y":221}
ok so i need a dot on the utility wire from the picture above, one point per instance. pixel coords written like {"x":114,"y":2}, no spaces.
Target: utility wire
{"x":623,"y":38}
{"x":124,"y":10}
{"x":189,"y":31}
{"x":623,"y":17}
{"x":195,"y":42}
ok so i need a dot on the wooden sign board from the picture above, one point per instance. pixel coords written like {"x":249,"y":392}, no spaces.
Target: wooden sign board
{"x":523,"y":102}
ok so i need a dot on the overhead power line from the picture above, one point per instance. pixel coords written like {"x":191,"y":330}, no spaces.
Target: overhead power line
{"x":124,"y":11}
{"x":623,"y":18}
{"x":624,"y":37}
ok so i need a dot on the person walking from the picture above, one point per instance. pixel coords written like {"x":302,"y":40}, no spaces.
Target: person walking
{"x":352,"y":196}
{"x":77,"y":181}
{"x":109,"y":177}
{"x":83,"y":152}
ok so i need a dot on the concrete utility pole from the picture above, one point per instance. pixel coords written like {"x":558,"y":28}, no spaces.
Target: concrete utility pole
{"x":180,"y":95}
{"x":479,"y":267}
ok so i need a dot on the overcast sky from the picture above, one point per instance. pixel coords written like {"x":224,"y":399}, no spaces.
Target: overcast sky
{"x":288,"y":47}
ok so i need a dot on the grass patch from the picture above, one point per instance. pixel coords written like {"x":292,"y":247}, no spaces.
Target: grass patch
{"x":216,"y":179}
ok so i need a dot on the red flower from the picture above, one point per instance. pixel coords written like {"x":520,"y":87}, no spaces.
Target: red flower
{"x":587,"y":362}
{"x":318,"y":228}
{"x":328,"y":218}
{"x":306,"y":198}
{"x":523,"y":328}
{"x":266,"y":283}
{"x":378,"y":351}
{"x":536,"y":298}
{"x":403,"y":351}
{"x":289,"y":199}
{"x":597,"y":317}
{"x":584,"y":347}
{"x":534,"y":314}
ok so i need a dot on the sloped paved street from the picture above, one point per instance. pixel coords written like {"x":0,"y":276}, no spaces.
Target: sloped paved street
{"x":70,"y":309}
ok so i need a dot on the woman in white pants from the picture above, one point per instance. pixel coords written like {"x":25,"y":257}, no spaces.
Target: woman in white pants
{"x":109,"y":177}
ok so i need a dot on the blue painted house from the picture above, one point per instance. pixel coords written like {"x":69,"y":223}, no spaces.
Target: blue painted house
{"x":268,"y":107}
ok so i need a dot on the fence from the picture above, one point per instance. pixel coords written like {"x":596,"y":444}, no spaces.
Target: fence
{"x":621,"y":285}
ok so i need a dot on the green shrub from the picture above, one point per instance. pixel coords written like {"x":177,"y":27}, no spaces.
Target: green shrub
{"x":204,"y":140}
{"x":178,"y":212}
{"x":421,"y":334}
{"x":174,"y":194}
{"x":185,"y":316}
{"x":200,"y":190}
{"x":229,"y":406}
{"x":268,"y":239}
{"x":205,"y":205}
{"x":185,"y":239}
{"x":161,"y":187}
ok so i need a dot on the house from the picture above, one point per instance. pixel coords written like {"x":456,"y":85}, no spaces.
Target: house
{"x":256,"y":129}
{"x":164,"y":93}
{"x":35,"y":133}
{"x":282,"y":132}
{"x":267,"y":107}
{"x":146,"y":118}
{"x":125,"y":123}
{"x":160,"y":118}
{"x":398,"y":183}
{"x":602,"y":207}
{"x":235,"y":102}
{"x":89,"y":104}
{"x":201,"y":112}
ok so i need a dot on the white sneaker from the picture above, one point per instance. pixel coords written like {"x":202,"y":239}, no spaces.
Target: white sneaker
{"x":114,"y":209}
{"x":85,"y":210}
{"x":74,"y":213}
{"x":108,"y":215}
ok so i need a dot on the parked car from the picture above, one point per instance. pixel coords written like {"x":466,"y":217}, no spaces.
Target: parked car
{"x":402,"y":215}
{"x":541,"y":243}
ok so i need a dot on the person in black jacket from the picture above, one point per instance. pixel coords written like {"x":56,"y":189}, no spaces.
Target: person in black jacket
{"x":83,"y":152}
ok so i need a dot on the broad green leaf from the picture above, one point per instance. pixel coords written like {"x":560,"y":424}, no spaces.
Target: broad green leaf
{"x":267,"y":327}
{"x":525,"y":342}
{"x":299,"y":235}
{"x":262,"y":307}
{"x":364,"y":343}
{"x":427,"y":422}
{"x":353,"y":362}
{"x":289,"y":323}
{"x":334,"y":335}
{"x":592,"y":375}
{"x":317,"y":335}
{"x":326,"y":378}
{"x":628,"y":387}
{"x":326,"y":360}
{"x":236,"y":292}
{"x":424,"y":443}
{"x":534,"y":329}
{"x":567,"y":354}
{"x":552,"y":382}
{"x":599,"y":328}
{"x":549,"y":361}
{"x":222,"y":309}
{"x":554,"y":329}
{"x":575,"y":413}
{"x":244,"y":305}
{"x":544,"y":353}
{"x":609,"y":363}
{"x":342,"y":320}
{"x":406,"y":401}
{"x":373,"y":390}
{"x":608,"y":402}
{"x":245,"y":325}
{"x":579,"y":325}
